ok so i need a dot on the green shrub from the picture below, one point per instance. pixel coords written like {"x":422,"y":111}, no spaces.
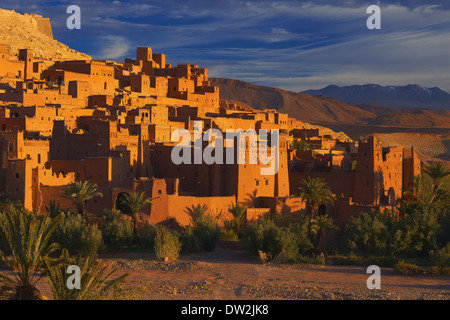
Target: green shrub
{"x":441,"y":258}
{"x":418,"y":231}
{"x":300,"y":230}
{"x":167,"y":244}
{"x":266,"y":236}
{"x":367,"y":234}
{"x":435,"y":271}
{"x":350,"y":260}
{"x":147,"y":237}
{"x":74,"y":234}
{"x":207,"y":232}
{"x":408,"y":269}
{"x":116,"y":231}
{"x":188,"y":241}
{"x":228,"y":235}
{"x":319,"y":259}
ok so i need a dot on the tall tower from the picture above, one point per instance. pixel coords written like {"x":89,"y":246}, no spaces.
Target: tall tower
{"x":368,"y":173}
{"x":145,"y":55}
{"x":26,"y":55}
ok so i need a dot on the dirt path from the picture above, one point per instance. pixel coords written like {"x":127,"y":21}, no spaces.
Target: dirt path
{"x":229,"y":274}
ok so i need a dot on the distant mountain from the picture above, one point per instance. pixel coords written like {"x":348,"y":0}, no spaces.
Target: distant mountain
{"x":327,"y":111}
{"x":410,"y":96}
{"x":299,"y":105}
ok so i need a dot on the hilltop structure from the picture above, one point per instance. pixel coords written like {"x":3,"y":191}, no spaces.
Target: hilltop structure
{"x":111,"y":124}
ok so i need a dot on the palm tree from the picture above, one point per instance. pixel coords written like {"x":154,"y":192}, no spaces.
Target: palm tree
{"x":29,"y":240}
{"x":136,"y":201}
{"x":80,"y":192}
{"x":94,"y":282}
{"x":437,"y":172}
{"x":319,"y":226}
{"x":53,"y":209}
{"x":196,"y":212}
{"x":300,"y":145}
{"x":314,"y":192}
{"x":238,"y":211}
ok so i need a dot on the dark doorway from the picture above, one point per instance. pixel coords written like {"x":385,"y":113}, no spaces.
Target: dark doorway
{"x":120,"y":205}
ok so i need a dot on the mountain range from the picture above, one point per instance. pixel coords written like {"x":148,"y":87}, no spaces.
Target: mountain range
{"x":409,"y":96}
{"x":322,"y":109}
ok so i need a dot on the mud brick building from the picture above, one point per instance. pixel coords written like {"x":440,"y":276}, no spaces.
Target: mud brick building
{"x":113,"y":124}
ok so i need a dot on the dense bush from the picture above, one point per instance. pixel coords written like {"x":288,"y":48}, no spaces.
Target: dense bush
{"x":207,"y":231}
{"x":417,"y":232}
{"x":116,"y":231}
{"x":366,"y":233}
{"x":147,"y":237}
{"x":441,"y":258}
{"x":379,"y":234}
{"x":319,"y":259}
{"x":74,"y":234}
{"x":188,"y":240}
{"x":266,"y":236}
{"x":300,"y":230}
{"x":408,"y":269}
{"x":443,"y":235}
{"x":167,"y":244}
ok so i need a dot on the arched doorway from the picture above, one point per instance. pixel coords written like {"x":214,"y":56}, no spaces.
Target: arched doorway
{"x":120,"y":205}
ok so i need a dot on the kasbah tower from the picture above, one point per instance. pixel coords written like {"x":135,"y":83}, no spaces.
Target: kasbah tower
{"x":111,"y":123}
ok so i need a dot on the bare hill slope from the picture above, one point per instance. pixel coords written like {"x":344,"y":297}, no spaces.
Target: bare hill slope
{"x":30,"y":31}
{"x":299,"y":105}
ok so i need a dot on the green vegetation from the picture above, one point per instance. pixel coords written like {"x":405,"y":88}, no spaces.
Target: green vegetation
{"x":207,"y":231}
{"x":271,"y":239}
{"x":136,"y":201}
{"x":80,"y":192}
{"x":417,"y":228}
{"x":29,"y":240}
{"x":300,"y":145}
{"x":95,"y":281}
{"x":188,"y":240}
{"x":238,"y":211}
{"x":314,"y":192}
{"x":117,"y":232}
{"x":167,"y":244}
{"x":408,"y":269}
{"x":75,"y":235}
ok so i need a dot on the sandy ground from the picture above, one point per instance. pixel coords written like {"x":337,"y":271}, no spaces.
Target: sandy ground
{"x":233,"y":274}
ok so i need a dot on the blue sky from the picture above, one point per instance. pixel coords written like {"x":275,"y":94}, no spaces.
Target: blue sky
{"x":294,"y":45}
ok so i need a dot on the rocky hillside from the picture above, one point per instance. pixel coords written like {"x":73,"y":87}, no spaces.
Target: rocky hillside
{"x":299,"y":105}
{"x":321,"y":109}
{"x":32,"y":31}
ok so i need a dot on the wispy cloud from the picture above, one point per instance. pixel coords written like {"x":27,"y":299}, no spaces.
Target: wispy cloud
{"x":292,"y":44}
